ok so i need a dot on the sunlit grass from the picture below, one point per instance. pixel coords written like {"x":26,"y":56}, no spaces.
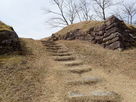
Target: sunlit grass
{"x":84,"y":26}
{"x":122,"y":62}
{"x":21,"y":76}
{"x":4,"y":27}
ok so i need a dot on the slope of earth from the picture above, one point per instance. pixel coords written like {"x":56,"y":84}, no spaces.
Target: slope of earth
{"x":79,"y":73}
{"x":123,"y":62}
{"x":5,"y":27}
{"x":118,"y":68}
{"x":21,"y":76}
{"x":112,"y":33}
{"x":85,"y":26}
{"x":45,"y":74}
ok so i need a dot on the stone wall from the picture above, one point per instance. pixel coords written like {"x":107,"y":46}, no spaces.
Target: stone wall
{"x":9,"y":41}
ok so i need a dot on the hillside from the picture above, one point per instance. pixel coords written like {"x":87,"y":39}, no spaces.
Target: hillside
{"x":112,"y":33}
{"x":4,"y":27}
{"x":68,"y":70}
{"x":21,"y":76}
{"x":37,"y":76}
{"x":85,"y":26}
{"x":108,"y":60}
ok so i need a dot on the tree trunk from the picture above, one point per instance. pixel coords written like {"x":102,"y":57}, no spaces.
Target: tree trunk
{"x":103,"y":12}
{"x":131,"y":19}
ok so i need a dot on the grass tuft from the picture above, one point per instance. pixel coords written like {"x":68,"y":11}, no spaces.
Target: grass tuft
{"x":84,"y":26}
{"x":4,"y":27}
{"x":21,"y":76}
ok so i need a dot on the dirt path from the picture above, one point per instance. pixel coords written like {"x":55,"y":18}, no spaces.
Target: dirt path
{"x":69,"y":80}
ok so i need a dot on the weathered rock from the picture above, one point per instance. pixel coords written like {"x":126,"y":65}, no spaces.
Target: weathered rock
{"x":115,"y":45}
{"x":80,"y":70}
{"x":112,"y":34}
{"x":85,"y":81}
{"x":9,"y":41}
{"x":77,"y":97}
{"x":94,"y":96}
{"x":105,"y":96}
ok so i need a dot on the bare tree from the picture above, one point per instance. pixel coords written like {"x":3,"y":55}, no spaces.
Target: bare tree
{"x":118,"y":13}
{"x":59,"y":17}
{"x":68,"y":12}
{"x":65,"y":14}
{"x":85,"y":9}
{"x":129,"y":10}
{"x":72,"y":10}
{"x":102,"y":5}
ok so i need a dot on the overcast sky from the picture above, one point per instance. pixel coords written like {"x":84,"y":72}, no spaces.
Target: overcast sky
{"x":27,"y":17}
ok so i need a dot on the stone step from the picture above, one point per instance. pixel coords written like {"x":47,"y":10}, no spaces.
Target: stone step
{"x":61,"y":54}
{"x":49,"y":43}
{"x":94,"y":96}
{"x":55,"y":49}
{"x":73,"y":63}
{"x":80,"y":70}
{"x":54,"y":45}
{"x":77,"y":97}
{"x":59,"y":51}
{"x":45,"y":42}
{"x":85,"y":81}
{"x":65,"y":58}
{"x":104,"y":96}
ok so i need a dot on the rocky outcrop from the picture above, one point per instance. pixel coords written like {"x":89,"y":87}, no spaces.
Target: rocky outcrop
{"x":9,"y":41}
{"x":112,"y":34}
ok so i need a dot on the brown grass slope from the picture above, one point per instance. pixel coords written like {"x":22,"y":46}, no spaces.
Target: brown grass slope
{"x":85,"y":26}
{"x":108,"y":60}
{"x":3,"y":27}
{"x":21,"y":76}
{"x":32,"y":77}
{"x":117,"y":69}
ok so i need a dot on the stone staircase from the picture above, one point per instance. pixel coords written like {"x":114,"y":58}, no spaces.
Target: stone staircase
{"x":62,"y":55}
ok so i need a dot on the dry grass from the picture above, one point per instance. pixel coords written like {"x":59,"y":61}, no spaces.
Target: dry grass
{"x":86,"y":25}
{"x":131,"y":26}
{"x":34,"y":77}
{"x":120,"y":62}
{"x":4,"y":27}
{"x":116,"y":68}
{"x":21,"y":76}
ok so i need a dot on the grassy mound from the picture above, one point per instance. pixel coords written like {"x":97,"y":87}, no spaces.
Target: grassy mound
{"x":21,"y":76}
{"x":4,"y":27}
{"x":85,"y":26}
{"x":108,"y":60}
